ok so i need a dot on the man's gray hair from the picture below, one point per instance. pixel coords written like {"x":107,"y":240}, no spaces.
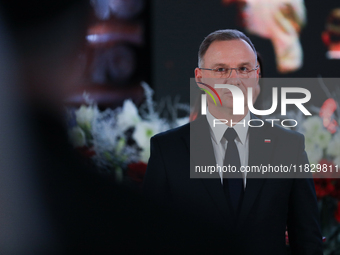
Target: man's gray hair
{"x":221,"y":35}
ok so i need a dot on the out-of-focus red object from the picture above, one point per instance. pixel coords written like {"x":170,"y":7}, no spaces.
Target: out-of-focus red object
{"x":226,"y":2}
{"x":193,"y":116}
{"x":86,"y":151}
{"x":326,"y":112}
{"x":323,"y":187}
{"x":136,"y":171}
{"x":106,"y":95}
{"x":337,"y":213}
{"x":327,"y":184}
{"x":328,"y":171}
{"x":324,"y":183}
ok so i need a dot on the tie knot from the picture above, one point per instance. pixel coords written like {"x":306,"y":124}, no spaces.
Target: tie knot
{"x":230,"y":134}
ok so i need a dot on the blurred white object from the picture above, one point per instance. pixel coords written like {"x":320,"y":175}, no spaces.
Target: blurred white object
{"x":333,"y":54}
{"x":281,"y":22}
{"x":25,"y":225}
{"x":101,"y":8}
{"x":124,"y":9}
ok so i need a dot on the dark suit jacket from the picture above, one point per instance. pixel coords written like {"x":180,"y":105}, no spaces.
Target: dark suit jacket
{"x":268,"y":206}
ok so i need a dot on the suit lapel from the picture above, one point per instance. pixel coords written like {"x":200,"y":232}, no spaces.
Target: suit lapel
{"x":200,"y":140}
{"x":261,"y":147}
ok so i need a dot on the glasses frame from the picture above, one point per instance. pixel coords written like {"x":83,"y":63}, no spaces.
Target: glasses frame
{"x":231,"y":69}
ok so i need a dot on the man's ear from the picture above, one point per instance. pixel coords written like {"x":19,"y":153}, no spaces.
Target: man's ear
{"x":258,"y":75}
{"x":198,"y":77}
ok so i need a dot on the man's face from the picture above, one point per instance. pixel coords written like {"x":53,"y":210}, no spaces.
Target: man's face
{"x":228,"y":54}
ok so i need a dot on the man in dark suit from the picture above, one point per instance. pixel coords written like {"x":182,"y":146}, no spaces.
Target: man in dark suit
{"x":251,"y":213}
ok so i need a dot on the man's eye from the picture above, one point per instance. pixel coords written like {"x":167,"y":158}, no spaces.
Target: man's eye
{"x":221,"y":69}
{"x":243,"y":69}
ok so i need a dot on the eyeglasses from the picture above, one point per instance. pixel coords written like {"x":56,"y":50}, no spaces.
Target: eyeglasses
{"x":221,"y":72}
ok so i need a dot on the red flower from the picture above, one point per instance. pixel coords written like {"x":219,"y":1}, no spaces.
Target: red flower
{"x":86,"y":151}
{"x":323,"y":187}
{"x":337,"y":213}
{"x":330,"y":172}
{"x":136,"y":171}
{"x":336,"y":191}
{"x":325,"y":184}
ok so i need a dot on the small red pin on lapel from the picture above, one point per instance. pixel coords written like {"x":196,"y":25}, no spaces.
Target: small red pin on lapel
{"x":267,"y":140}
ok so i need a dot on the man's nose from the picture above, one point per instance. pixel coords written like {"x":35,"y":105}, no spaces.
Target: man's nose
{"x":233,"y":73}
{"x":234,"y":78}
{"x":233,"y":81}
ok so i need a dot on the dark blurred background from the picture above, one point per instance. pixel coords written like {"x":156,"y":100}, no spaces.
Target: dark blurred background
{"x":178,"y":28}
{"x":157,"y":42}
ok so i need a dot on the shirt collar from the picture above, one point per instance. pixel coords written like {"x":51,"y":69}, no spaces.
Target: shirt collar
{"x":220,"y":128}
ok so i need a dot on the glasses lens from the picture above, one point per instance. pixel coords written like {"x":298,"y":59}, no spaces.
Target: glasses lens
{"x":243,"y":73}
{"x":226,"y":73}
{"x":221,"y":73}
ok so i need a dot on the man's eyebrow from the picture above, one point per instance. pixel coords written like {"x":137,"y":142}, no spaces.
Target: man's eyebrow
{"x":244,"y":64}
{"x":219,"y":64}
{"x":224,"y":65}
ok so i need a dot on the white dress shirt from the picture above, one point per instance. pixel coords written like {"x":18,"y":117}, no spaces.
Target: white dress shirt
{"x":220,"y":143}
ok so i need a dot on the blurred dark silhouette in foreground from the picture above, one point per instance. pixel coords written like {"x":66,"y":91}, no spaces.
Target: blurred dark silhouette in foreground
{"x":51,"y":202}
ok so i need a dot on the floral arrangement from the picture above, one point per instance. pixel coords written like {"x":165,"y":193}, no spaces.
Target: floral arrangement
{"x":322,"y":145}
{"x":323,"y":148}
{"x":118,"y":140}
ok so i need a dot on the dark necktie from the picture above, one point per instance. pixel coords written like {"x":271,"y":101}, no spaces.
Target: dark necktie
{"x":232,"y":182}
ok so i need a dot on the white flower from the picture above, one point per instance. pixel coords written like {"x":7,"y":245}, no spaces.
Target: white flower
{"x":145,"y":154}
{"x":312,"y":126}
{"x":315,"y":133}
{"x":309,"y":143}
{"x":85,"y":116}
{"x":105,"y":135}
{"x":334,"y":146}
{"x":182,"y":121}
{"x":121,"y":143}
{"x":77,"y":137}
{"x":314,"y":155}
{"x":336,"y":161}
{"x":143,"y":133}
{"x":129,"y":116}
{"x":323,"y":138}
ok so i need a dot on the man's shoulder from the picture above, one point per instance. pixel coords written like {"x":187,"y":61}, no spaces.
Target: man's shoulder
{"x":277,"y":129}
{"x":284,"y":131}
{"x":175,"y":133}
